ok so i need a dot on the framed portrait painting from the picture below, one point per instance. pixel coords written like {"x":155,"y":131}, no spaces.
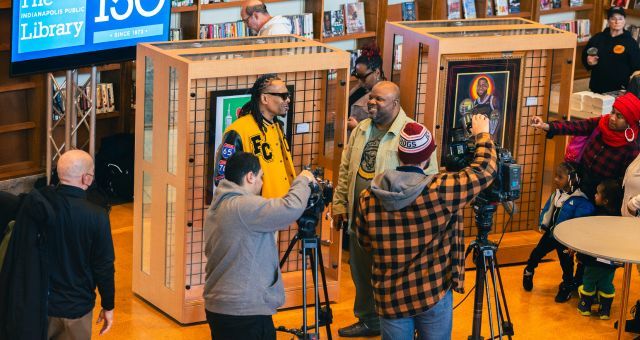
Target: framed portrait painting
{"x":225,"y":106}
{"x":486,"y":86}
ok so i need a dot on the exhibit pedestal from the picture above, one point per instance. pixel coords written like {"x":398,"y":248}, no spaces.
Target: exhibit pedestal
{"x":188,"y":92}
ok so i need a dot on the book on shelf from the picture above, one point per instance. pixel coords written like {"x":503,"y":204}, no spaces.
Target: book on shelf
{"x":408,"y":11}
{"x":111,"y":103}
{"x":301,"y":24}
{"x":636,"y":4}
{"x":502,"y":7}
{"x":576,"y":3}
{"x":99,"y":101}
{"x":514,"y":6}
{"x":175,"y":34}
{"x":223,"y":30}
{"x":327,"y":31}
{"x":469,"y":8}
{"x":620,"y":3}
{"x":354,"y":17}
{"x":337,"y":23}
{"x":181,"y":3}
{"x":490,"y":10}
{"x":546,"y":4}
{"x":581,"y":27}
{"x":453,"y":9}
{"x":556,"y":3}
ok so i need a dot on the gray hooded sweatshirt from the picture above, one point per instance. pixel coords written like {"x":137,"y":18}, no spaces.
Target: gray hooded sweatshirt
{"x":397,"y":189}
{"x":242,"y":273}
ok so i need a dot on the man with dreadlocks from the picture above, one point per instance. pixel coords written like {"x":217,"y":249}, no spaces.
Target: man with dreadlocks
{"x":259,"y":131}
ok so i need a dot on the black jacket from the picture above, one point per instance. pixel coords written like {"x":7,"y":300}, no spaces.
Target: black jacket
{"x":60,"y":249}
{"x":618,"y":58}
{"x":24,"y":276}
{"x":81,"y":255}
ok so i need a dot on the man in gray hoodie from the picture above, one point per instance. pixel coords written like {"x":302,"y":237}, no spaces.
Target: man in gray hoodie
{"x":243,"y":285}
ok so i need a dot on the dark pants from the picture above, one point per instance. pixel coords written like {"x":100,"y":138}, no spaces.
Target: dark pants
{"x":364,"y":306}
{"x":547,"y":244}
{"x":599,"y":278}
{"x":251,"y":327}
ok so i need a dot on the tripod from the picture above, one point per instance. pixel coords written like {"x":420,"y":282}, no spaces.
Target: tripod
{"x":484,"y":256}
{"x":311,"y":247}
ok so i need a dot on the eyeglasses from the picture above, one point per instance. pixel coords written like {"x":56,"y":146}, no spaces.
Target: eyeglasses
{"x":361,"y":76}
{"x":283,"y":95}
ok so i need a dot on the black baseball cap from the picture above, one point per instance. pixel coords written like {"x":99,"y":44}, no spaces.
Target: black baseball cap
{"x":616,"y":10}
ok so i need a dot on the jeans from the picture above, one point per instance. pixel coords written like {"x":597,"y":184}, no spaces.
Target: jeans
{"x":434,"y":324}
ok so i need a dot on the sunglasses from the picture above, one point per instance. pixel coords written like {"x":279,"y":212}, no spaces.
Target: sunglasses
{"x":361,"y":76}
{"x":282,"y":95}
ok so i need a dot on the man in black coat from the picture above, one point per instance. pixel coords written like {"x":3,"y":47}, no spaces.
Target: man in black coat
{"x":60,"y":251}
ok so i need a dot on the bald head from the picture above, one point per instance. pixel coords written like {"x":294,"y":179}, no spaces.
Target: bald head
{"x":388,"y":88}
{"x":254,"y":13}
{"x":384,"y":103}
{"x":75,"y":168}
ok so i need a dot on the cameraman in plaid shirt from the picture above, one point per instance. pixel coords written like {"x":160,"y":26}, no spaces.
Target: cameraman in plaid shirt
{"x":412,"y":224}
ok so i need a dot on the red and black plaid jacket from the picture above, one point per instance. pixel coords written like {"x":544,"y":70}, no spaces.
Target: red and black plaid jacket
{"x":418,"y":251}
{"x":598,"y":158}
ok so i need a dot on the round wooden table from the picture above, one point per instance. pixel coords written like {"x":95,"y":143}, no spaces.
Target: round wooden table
{"x":610,"y":237}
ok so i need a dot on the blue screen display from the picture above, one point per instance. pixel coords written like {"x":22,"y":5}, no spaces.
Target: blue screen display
{"x":51,"y":28}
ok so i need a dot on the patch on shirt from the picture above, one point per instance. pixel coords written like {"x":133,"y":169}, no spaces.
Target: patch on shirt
{"x":227,"y":150}
{"x":222,"y":165}
{"x":618,"y":49}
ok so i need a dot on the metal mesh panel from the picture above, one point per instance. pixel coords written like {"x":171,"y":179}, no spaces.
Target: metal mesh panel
{"x":530,"y":146}
{"x":421,"y":86}
{"x":304,"y":151}
{"x":529,"y":152}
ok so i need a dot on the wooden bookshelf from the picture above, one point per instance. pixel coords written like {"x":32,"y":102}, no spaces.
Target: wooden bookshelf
{"x":566,"y":9}
{"x":26,"y":85}
{"x":5,"y":4}
{"x":437,"y":10}
{"x":108,"y":115}
{"x":183,"y":9}
{"x":219,"y":5}
{"x":350,"y":37}
{"x":375,"y":17}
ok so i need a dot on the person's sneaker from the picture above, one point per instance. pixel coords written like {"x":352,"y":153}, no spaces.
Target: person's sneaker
{"x":564,"y":292}
{"x":358,"y":329}
{"x":527,"y":280}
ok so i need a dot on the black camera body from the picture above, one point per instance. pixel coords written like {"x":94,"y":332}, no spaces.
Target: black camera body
{"x":320,"y":198}
{"x":506,"y":185}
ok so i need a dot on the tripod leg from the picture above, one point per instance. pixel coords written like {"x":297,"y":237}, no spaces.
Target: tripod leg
{"x":486,"y":289}
{"x":304,"y":288}
{"x":478,"y":294}
{"x":506,"y":324}
{"x":326,"y":292}
{"x":313,"y":262}
{"x":495,"y":293}
{"x":292,"y":244}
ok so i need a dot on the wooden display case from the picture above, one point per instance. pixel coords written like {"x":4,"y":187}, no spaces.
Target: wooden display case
{"x":440,"y":61}
{"x":178,"y":87}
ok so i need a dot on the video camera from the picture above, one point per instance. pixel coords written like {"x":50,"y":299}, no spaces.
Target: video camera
{"x":505,"y":187}
{"x":320,"y":198}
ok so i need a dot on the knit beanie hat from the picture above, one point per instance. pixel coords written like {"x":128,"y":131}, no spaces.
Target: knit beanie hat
{"x":629,"y":105}
{"x":416,"y":144}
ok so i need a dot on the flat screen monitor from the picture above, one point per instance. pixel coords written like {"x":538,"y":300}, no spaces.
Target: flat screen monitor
{"x":50,"y":35}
